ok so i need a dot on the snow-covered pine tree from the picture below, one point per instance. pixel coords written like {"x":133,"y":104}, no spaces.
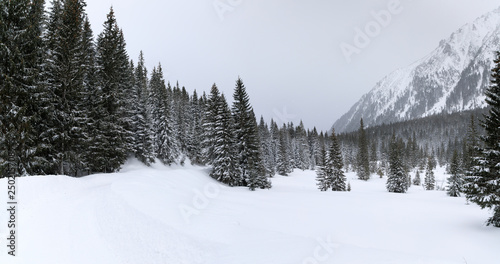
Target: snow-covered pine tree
{"x":65,"y":85}
{"x":471,"y":158}
{"x":483,"y":187}
{"x":266,"y":148}
{"x":455,"y":181}
{"x":363,"y":162}
{"x":303,"y":154}
{"x":275,"y":143}
{"x":417,"y":181}
{"x":335,"y":161}
{"x":142,"y":119}
{"x":196,"y":130}
{"x":314,"y":147}
{"x":109,"y":146}
{"x":283,"y":162}
{"x":430,"y":180}
{"x":321,"y":171}
{"x":247,"y":138}
{"x":20,"y":67}
{"x":397,"y":180}
{"x":167,"y":146}
{"x":90,"y":88}
{"x":208,"y":139}
{"x":224,"y":163}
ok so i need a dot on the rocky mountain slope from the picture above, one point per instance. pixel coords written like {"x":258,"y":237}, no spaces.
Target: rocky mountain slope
{"x":450,"y":79}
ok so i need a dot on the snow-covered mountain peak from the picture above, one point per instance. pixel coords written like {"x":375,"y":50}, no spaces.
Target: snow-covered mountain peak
{"x":451,"y":78}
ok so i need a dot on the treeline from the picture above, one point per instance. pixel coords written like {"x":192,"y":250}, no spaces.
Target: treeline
{"x":72,"y":105}
{"x":436,"y":136}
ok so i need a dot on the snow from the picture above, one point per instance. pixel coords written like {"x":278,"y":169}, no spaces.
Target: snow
{"x":180,"y":215}
{"x":394,"y":98}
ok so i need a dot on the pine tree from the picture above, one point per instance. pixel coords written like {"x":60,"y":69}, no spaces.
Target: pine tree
{"x":167,"y":147}
{"x":196,"y":130}
{"x":283,"y":162}
{"x":455,"y":181}
{"x":21,"y":53}
{"x":211,"y":110}
{"x":363,"y":158}
{"x":321,"y":171}
{"x":109,"y":147}
{"x":142,"y":120}
{"x":224,"y":169}
{"x":66,"y":87}
{"x":335,"y":160}
{"x":417,"y":181}
{"x":266,"y":148}
{"x":397,"y":180}
{"x":483,"y":186}
{"x":430,"y":181}
{"x":247,"y":138}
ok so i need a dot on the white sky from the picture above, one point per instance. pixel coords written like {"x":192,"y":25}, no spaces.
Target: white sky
{"x":286,"y":51}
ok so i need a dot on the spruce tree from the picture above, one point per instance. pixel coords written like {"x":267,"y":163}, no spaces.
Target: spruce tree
{"x":66,"y":86}
{"x":335,"y":160}
{"x":283,"y":162}
{"x":455,"y":181}
{"x":417,"y":181}
{"x":483,"y":186}
{"x":247,"y":138}
{"x":109,"y":145}
{"x":224,"y":163}
{"x":363,"y":168}
{"x":397,"y":180}
{"x":167,"y":148}
{"x":321,"y":171}
{"x":196,"y":130}
{"x":430,"y":180}
{"x":142,"y":120}
{"x":211,"y":110}
{"x":266,"y":148}
{"x":21,"y":54}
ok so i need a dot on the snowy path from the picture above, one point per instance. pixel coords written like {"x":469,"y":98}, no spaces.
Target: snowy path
{"x":180,"y":215}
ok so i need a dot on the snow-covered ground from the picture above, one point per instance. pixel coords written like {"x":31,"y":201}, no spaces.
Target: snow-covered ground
{"x":180,"y":215}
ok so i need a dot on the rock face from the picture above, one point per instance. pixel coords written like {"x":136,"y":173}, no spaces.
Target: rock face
{"x":450,"y":79}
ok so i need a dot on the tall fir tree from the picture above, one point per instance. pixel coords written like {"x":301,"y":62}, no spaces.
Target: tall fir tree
{"x":248,"y":147}
{"x":142,"y":120}
{"x":430,"y":180}
{"x":335,"y":161}
{"x":363,"y":162}
{"x":166,"y":145}
{"x":21,"y":54}
{"x":196,"y":130}
{"x":224,"y":163}
{"x":212,"y":105}
{"x":455,"y":181}
{"x":283,"y":161}
{"x":266,"y":148}
{"x":65,"y":87}
{"x":109,"y":147}
{"x":417,"y":181}
{"x":322,"y":170}
{"x":397,"y":180}
{"x":484,"y":183}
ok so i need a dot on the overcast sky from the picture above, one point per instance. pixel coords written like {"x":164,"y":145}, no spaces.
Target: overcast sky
{"x":288,"y":52}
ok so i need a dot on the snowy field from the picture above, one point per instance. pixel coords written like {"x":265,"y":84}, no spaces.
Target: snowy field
{"x":180,"y":215}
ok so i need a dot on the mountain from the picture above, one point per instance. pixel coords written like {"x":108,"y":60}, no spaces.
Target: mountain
{"x":450,"y":79}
